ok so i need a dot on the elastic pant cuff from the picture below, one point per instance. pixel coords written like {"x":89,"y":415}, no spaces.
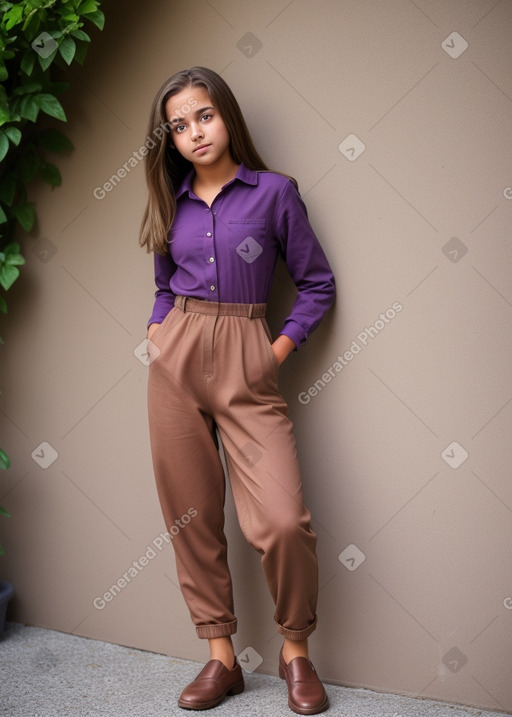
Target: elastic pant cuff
{"x":296,"y":634}
{"x":219,"y":630}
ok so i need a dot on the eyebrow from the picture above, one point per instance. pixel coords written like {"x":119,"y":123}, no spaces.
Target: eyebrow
{"x":176,"y":120}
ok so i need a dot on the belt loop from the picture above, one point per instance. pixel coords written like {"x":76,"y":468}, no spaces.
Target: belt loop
{"x":251,"y":309}
{"x":184,"y":303}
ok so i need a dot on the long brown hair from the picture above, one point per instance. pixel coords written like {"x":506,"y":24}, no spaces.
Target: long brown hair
{"x":166,"y":168}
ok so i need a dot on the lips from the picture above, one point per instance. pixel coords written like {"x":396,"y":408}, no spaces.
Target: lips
{"x":201,"y":146}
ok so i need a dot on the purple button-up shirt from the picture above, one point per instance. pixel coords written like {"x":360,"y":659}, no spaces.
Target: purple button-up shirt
{"x":228,"y":252}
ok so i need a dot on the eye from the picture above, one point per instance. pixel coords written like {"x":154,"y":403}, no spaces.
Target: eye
{"x":180,"y":128}
{"x":206,"y":116}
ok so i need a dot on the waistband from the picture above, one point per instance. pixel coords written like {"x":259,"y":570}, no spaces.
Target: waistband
{"x":217,"y":308}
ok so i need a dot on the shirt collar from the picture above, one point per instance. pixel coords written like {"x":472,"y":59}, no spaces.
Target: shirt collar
{"x":245,"y":175}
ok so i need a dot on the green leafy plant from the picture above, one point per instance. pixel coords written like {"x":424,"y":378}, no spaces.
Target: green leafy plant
{"x":38,"y":39}
{"x":4,"y":463}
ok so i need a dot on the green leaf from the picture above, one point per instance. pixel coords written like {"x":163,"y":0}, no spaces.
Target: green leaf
{"x":13,"y":17}
{"x":51,"y":106}
{"x":54,"y":141}
{"x":50,"y":174}
{"x":3,"y":305}
{"x":8,"y":275}
{"x":14,"y":134}
{"x":4,"y":460}
{"x":5,"y":115}
{"x":27,"y":63}
{"x":25,"y":216}
{"x":67,"y":49}
{"x":5,"y":512}
{"x":12,"y":248}
{"x":27,"y":88}
{"x":4,"y":145}
{"x":97,"y":18}
{"x":87,"y":6}
{"x":81,"y":35}
{"x":32,"y":23}
{"x":45,"y":62}
{"x":3,"y":73}
{"x":15,"y":260}
{"x":7,"y":189}
{"x":28,"y":108}
{"x":81,"y":52}
{"x":3,"y":216}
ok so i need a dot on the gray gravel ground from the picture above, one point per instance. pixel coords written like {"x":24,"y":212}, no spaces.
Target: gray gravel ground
{"x":45,"y":673}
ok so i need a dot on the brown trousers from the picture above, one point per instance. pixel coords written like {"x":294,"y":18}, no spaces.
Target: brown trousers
{"x":211,"y":367}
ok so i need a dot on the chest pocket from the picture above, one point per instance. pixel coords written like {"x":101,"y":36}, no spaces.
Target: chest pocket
{"x":247,"y":237}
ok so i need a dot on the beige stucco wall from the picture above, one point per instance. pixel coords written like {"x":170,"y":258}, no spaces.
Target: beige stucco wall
{"x":434,"y":589}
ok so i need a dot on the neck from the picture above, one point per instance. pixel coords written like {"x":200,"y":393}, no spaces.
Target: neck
{"x":220,"y":173}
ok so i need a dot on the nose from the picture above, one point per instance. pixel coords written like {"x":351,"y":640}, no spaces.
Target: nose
{"x":197,"y":131}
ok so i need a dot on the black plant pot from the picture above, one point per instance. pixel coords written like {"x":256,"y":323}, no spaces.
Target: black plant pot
{"x":6,"y":593}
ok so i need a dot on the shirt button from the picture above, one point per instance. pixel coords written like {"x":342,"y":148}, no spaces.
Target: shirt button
{"x":211,"y":259}
{"x":208,"y":234}
{"x":212,"y":288}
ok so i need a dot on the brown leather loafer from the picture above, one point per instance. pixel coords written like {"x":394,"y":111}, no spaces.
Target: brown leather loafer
{"x":211,"y":685}
{"x":306,"y":694}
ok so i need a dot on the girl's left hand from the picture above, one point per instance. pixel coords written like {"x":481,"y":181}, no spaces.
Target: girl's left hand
{"x":281,"y":347}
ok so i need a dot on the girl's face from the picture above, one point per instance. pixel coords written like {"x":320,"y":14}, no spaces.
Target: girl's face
{"x":198,"y":131}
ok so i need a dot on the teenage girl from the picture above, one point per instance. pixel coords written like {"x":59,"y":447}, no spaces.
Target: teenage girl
{"x":217,"y":219}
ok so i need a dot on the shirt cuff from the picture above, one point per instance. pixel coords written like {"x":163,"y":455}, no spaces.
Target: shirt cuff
{"x":296,"y":333}
{"x":160,"y":311}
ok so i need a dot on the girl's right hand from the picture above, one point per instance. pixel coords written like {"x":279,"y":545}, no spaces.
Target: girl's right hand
{"x":151,"y":330}
{"x":281,"y":347}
